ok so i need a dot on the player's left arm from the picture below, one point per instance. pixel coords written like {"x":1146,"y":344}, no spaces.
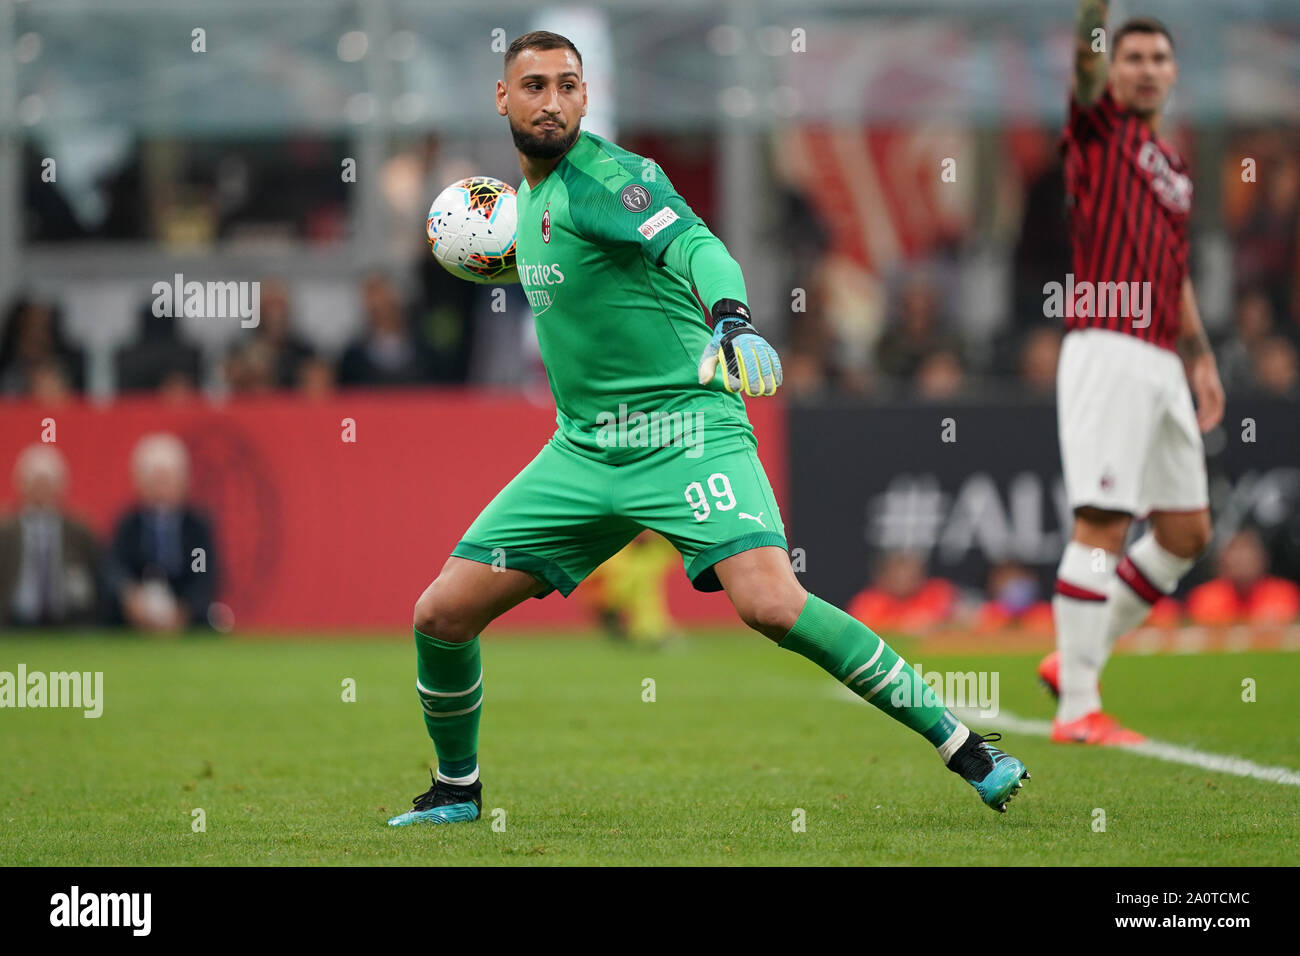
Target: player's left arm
{"x":628,"y":205}
{"x":1202,"y":370}
{"x":1090,"y":63}
{"x":750,"y":364}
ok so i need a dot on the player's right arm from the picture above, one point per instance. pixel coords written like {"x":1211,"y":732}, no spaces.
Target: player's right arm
{"x":1202,"y":370}
{"x":1090,"y":60}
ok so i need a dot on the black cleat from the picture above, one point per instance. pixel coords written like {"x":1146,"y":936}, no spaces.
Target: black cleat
{"x":994,"y":774}
{"x":444,"y":803}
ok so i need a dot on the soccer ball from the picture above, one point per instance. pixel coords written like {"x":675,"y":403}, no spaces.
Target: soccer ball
{"x":471,"y":230}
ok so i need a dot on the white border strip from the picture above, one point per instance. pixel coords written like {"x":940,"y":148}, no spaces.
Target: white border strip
{"x":1159,"y":750}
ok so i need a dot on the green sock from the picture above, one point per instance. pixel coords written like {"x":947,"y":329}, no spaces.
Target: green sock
{"x":857,"y":657}
{"x":449,"y":680}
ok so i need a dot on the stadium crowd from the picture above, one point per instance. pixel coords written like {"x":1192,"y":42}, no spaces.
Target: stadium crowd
{"x":403,"y":342}
{"x":897,"y":328}
{"x":902,"y":597}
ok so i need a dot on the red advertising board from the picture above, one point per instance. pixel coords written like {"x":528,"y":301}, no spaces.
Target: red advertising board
{"x":318,"y":533}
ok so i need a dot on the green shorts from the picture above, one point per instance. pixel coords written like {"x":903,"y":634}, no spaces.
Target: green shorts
{"x":565,"y":514}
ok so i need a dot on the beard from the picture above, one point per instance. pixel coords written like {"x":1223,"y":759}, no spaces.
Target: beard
{"x":542,"y":144}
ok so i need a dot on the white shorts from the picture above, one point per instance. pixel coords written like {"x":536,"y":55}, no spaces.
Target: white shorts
{"x":1129,"y":438}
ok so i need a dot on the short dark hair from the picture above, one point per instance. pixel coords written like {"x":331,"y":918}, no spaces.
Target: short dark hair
{"x":540,"y":40}
{"x":1140,"y":25}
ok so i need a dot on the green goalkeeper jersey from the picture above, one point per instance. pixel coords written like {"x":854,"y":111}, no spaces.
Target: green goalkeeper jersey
{"x":620,"y":335}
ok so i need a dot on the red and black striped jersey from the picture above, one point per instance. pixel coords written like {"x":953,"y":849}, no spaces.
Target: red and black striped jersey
{"x":1129,"y":199}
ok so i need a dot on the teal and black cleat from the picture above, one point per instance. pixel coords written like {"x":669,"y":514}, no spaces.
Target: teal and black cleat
{"x":443,"y":803}
{"x":995,"y":775}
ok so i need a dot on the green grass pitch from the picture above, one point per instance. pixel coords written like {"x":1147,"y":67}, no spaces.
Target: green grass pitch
{"x":581,"y":770}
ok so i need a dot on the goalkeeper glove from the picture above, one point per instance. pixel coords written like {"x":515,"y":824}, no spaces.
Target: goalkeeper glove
{"x":749,"y":364}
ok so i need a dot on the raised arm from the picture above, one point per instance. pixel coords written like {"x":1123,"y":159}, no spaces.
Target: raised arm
{"x":1090,"y":60}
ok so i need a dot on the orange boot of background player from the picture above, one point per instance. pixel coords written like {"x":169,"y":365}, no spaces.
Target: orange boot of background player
{"x":1097,"y":727}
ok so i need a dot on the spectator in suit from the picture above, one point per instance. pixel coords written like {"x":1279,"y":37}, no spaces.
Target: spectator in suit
{"x":48,"y":559}
{"x":153,"y":570}
{"x":387,"y":353}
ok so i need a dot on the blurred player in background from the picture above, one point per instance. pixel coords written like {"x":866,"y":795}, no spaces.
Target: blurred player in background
{"x":1130,"y":436}
{"x":629,"y":592}
{"x":621,"y":274}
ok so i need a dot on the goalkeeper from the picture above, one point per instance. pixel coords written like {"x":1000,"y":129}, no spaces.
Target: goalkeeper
{"x":652,"y":434}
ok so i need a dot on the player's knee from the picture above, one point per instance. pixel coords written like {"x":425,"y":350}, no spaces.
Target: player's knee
{"x":1199,"y":540}
{"x":425,"y":616}
{"x":1098,"y":527}
{"x":770,"y":615}
{"x":1189,"y":540}
{"x":434,"y":616}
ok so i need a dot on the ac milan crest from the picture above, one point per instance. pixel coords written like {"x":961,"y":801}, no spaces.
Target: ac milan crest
{"x":546,"y":224}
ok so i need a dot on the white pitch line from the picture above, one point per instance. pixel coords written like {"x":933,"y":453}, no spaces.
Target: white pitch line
{"x":1173,"y":753}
